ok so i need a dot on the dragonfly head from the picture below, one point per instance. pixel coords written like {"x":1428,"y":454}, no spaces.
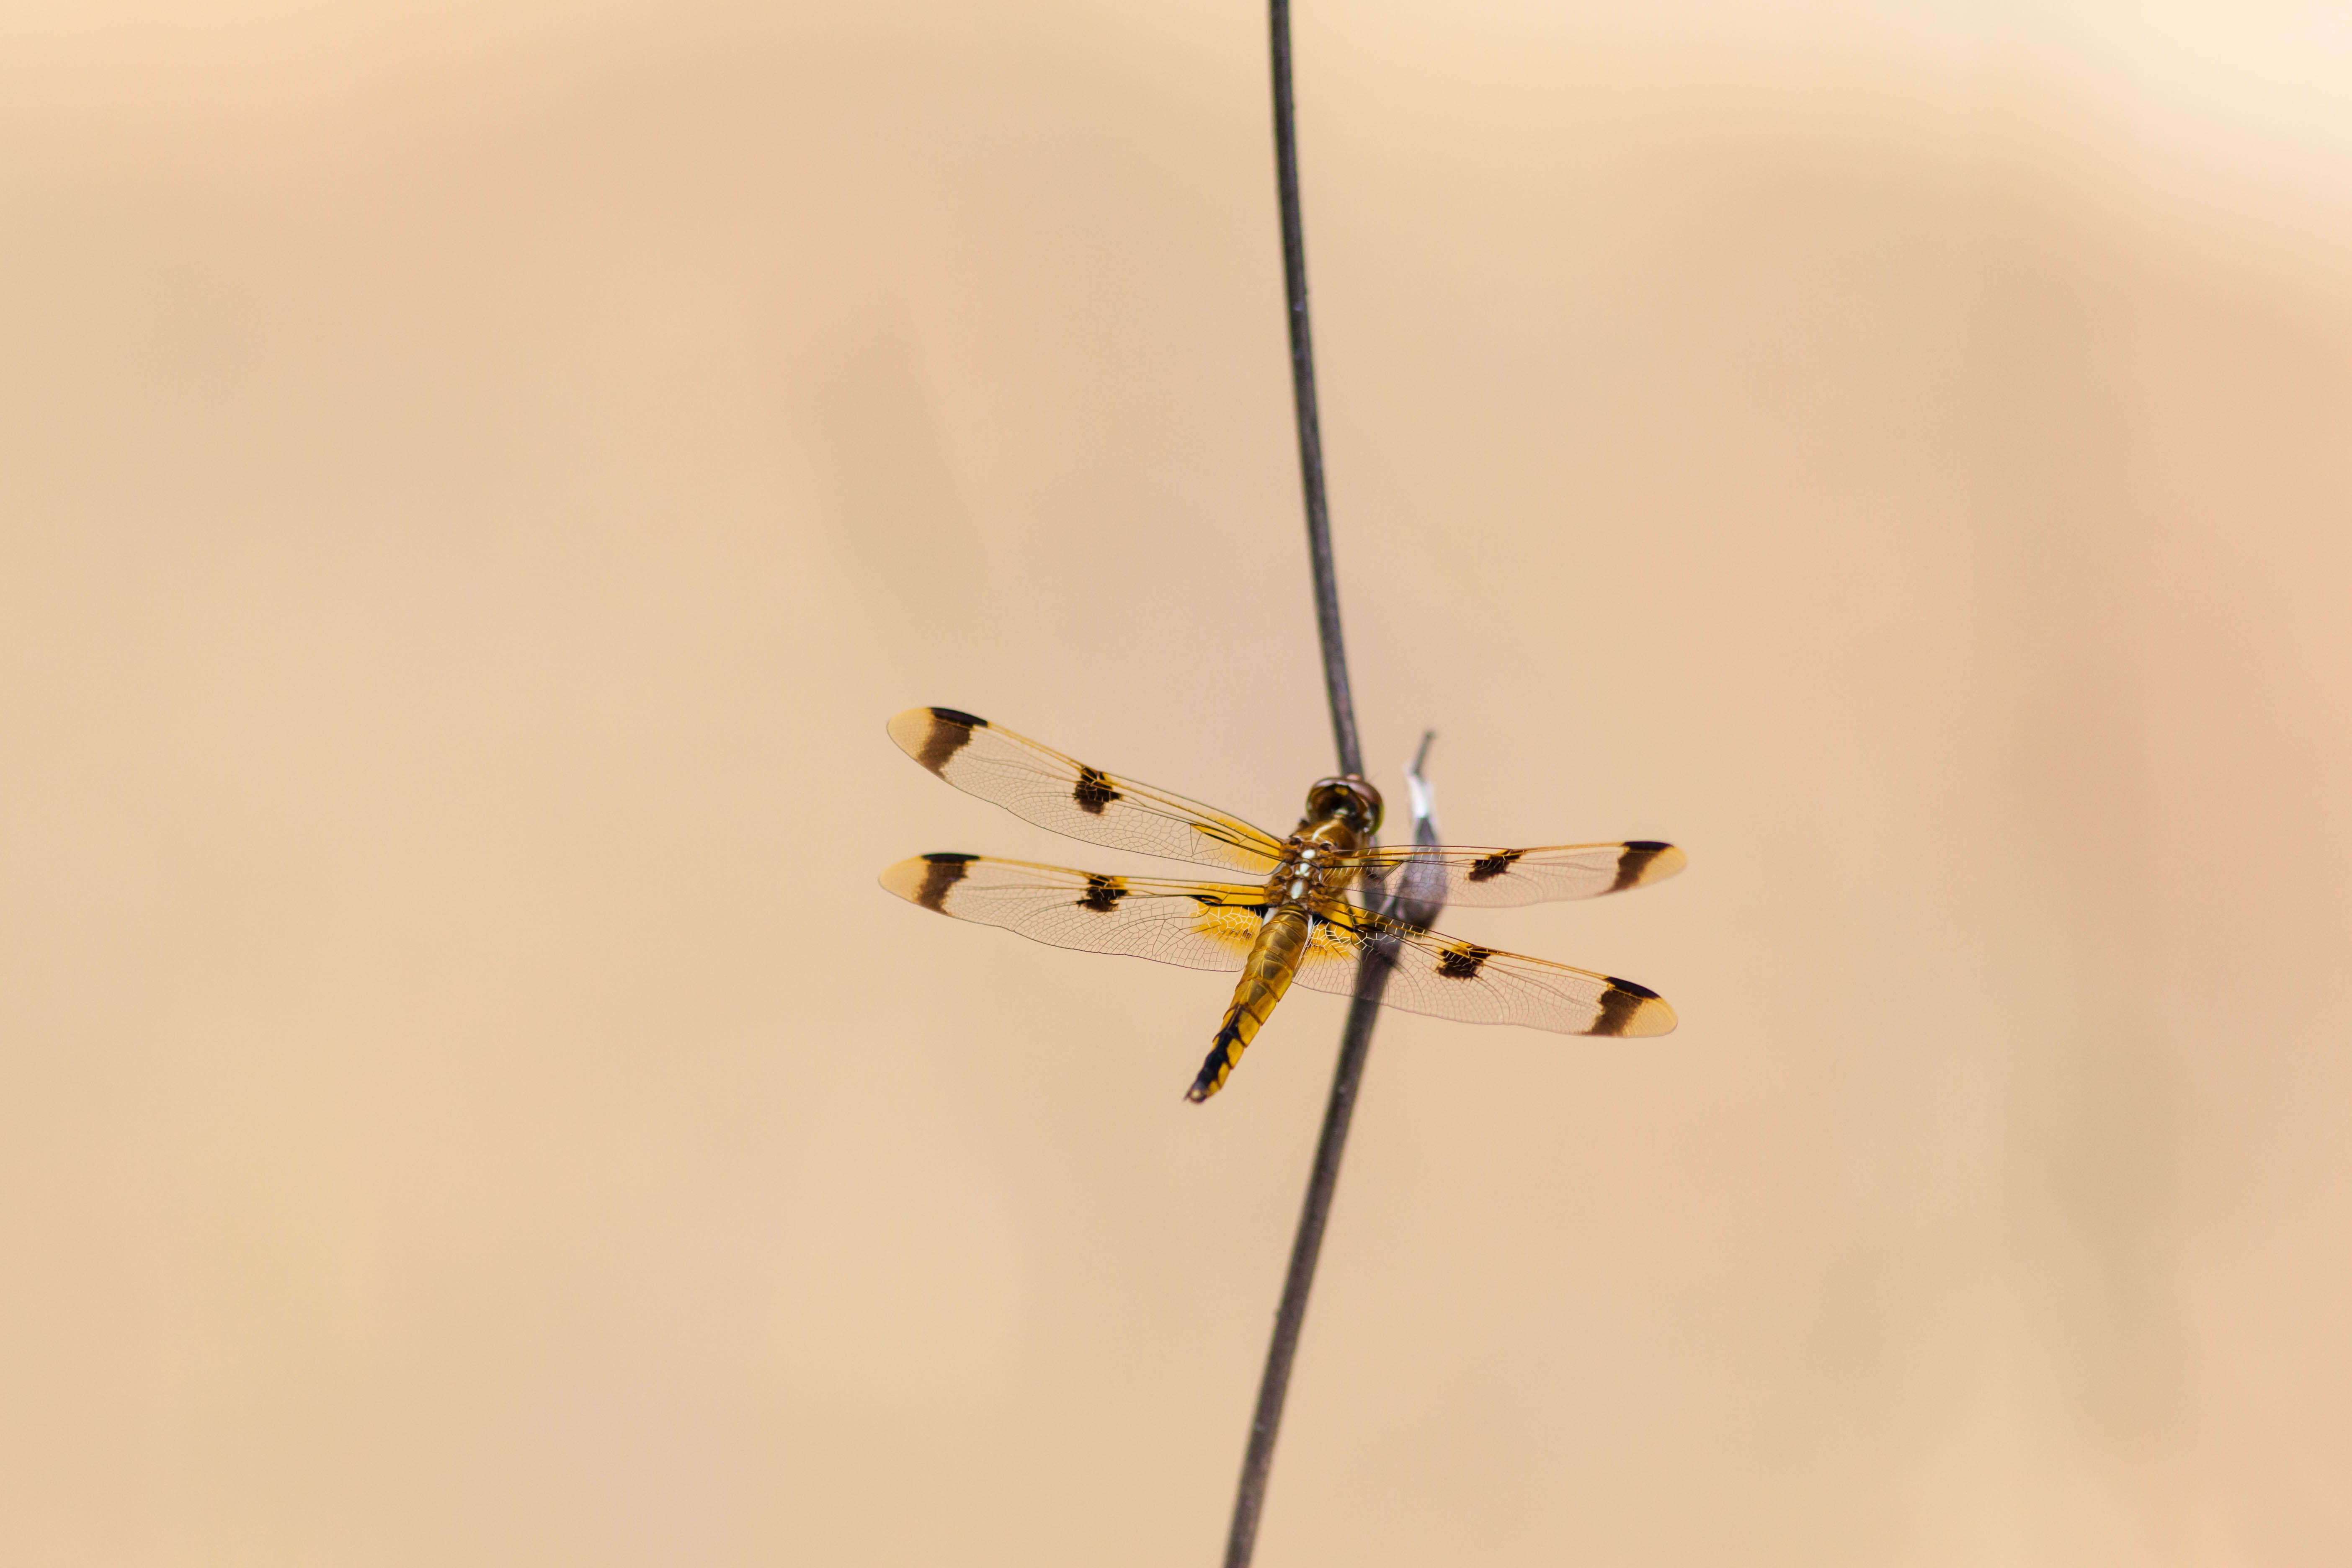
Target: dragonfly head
{"x":1349,"y":801}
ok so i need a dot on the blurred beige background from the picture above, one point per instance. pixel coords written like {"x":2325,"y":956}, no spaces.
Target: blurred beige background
{"x":476,"y":478}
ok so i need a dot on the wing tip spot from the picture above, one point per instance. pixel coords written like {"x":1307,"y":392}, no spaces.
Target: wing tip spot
{"x":1646,"y":861}
{"x":1630,"y":1009}
{"x":933,"y":735}
{"x":926,"y":879}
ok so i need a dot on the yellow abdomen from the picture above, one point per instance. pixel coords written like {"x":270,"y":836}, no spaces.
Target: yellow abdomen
{"x":1273,"y":960}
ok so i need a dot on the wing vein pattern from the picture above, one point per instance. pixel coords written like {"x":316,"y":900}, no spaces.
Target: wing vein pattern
{"x":1446,"y":978}
{"x":1200,"y":925}
{"x":1041,"y":786}
{"x":1211,"y":925}
{"x":1491,"y":878}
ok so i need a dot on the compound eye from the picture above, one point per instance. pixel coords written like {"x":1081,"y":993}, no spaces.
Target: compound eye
{"x":1351,"y":801}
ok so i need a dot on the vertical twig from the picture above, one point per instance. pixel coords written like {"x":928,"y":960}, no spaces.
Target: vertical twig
{"x":1355,"y":1043}
{"x":1415,"y":901}
{"x":1302,"y":386}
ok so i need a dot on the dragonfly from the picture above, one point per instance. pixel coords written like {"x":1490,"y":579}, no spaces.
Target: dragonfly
{"x":1312,"y":911}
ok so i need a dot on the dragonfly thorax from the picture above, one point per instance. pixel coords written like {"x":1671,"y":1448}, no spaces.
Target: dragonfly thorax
{"x":1314,"y":866}
{"x":1341,"y":817}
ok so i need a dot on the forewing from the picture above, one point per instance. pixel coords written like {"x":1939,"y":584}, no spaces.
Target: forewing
{"x":1490,"y":878}
{"x":1449,"y":978}
{"x":1061,"y":792}
{"x":1200,"y":925}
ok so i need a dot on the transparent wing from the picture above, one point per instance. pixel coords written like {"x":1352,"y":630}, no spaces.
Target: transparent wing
{"x":1200,"y":925}
{"x":1448,"y":978}
{"x":1490,"y":878}
{"x":1051,"y":790}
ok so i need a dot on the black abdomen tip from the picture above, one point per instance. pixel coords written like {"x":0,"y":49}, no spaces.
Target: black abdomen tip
{"x":1225,"y":1053}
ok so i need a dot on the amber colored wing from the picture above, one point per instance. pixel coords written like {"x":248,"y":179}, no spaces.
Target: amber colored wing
{"x":1201,"y":925}
{"x":1061,"y":792}
{"x":1488,"y":878}
{"x":1448,"y":978}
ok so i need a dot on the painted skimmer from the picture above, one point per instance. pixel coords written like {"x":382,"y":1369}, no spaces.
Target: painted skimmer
{"x":1308,"y":912}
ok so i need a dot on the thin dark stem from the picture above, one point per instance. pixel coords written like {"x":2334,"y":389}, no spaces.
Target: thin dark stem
{"x":1356,"y":1043}
{"x":1302,"y":384}
{"x":1415,"y":903}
